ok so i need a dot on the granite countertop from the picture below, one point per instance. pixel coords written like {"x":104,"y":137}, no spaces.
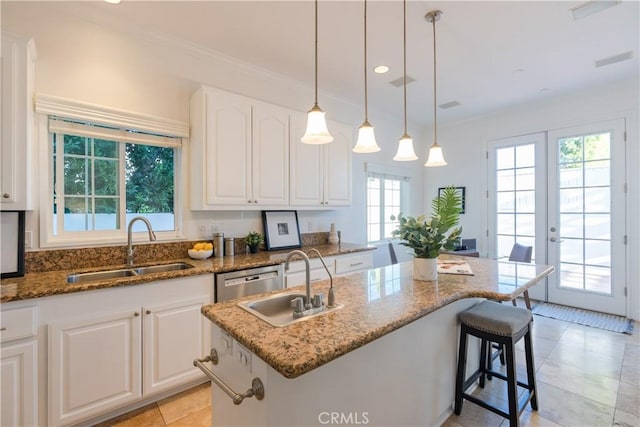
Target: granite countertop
{"x":37,"y":285}
{"x":376,"y":302}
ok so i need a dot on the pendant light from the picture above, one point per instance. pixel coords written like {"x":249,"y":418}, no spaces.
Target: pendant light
{"x":317,"y":132}
{"x":435,"y":157}
{"x":366,"y":142}
{"x":405,"y":151}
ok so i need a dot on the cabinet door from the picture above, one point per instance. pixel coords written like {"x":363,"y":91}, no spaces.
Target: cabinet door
{"x":94,"y":365}
{"x":337,"y":166}
{"x":174,"y":334}
{"x":270,"y":160}
{"x":306,"y":186}
{"x":227,"y":149}
{"x":18,"y":383}
{"x":18,"y":64}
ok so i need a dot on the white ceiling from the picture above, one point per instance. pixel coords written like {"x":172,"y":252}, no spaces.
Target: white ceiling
{"x":491,"y":55}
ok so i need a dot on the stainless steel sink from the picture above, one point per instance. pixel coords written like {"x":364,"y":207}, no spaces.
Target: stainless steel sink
{"x":276,"y":310}
{"x":126,"y":272}
{"x":163,"y":268}
{"x":99,"y":275}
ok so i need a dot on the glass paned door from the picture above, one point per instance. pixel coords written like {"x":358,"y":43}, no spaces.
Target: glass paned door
{"x":586,"y":217}
{"x":516,"y":198}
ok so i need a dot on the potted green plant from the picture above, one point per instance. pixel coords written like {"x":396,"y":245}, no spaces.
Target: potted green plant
{"x":427,"y":236}
{"x":253,"y":239}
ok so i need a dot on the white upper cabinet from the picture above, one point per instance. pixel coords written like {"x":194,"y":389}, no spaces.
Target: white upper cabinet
{"x":320,"y":174}
{"x":239,"y":152}
{"x":18,"y":65}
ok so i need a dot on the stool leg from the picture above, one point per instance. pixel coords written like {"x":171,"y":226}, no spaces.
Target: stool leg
{"x":462,"y":366}
{"x":512,"y":387}
{"x":531,"y":377}
{"x":483,"y":360}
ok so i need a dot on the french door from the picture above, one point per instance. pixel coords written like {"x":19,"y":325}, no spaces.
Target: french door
{"x":563,"y":192}
{"x":586,"y":196}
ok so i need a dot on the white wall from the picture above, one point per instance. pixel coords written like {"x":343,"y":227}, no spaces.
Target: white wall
{"x":465,"y":144}
{"x":82,"y":58}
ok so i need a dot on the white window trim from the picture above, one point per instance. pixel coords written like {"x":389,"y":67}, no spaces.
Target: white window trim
{"x":47,"y":105}
{"x":387,"y":172}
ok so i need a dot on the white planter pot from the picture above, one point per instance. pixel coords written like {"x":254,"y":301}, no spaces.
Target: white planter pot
{"x":425,"y":269}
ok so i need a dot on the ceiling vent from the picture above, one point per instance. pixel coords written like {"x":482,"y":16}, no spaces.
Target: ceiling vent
{"x":448,"y":105}
{"x":400,"y":81}
{"x":591,"y":7}
{"x":613,"y":59}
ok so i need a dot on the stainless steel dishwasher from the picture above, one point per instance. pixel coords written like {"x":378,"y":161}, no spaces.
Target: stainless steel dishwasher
{"x":238,"y":284}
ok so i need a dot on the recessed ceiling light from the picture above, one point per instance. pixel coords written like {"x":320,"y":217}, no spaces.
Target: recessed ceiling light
{"x":113,"y":1}
{"x":381,"y":69}
{"x":590,"y":7}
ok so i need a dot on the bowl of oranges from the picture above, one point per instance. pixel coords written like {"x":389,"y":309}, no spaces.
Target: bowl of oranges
{"x":201,"y":250}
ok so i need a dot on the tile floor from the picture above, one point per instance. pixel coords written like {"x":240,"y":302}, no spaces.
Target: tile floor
{"x":585,"y":377}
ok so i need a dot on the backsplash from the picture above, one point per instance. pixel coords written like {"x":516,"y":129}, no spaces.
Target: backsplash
{"x":69,"y":259}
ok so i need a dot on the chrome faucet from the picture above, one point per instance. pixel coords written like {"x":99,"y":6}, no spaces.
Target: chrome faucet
{"x":305,"y":258}
{"x":332,"y":296}
{"x":152,"y":237}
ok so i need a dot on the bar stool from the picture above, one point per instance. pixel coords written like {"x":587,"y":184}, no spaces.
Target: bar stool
{"x":504,"y":325}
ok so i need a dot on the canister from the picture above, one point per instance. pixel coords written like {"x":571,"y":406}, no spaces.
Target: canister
{"x":218,"y":245}
{"x":229,"y":246}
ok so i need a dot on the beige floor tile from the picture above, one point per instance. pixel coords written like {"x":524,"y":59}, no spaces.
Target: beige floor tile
{"x":544,"y":327}
{"x":147,"y":416}
{"x":201,"y":418}
{"x":597,"y":340}
{"x":591,"y":362}
{"x":625,"y":419}
{"x":574,"y":379}
{"x":631,"y":366}
{"x":570,"y":409}
{"x":185,"y":403}
{"x":628,"y":398}
{"x":532,"y":419}
{"x":473,"y":415}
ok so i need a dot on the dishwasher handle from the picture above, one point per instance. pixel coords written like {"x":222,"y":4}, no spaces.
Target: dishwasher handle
{"x":257,"y":388}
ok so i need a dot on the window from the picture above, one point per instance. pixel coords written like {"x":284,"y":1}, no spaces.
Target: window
{"x":385,"y":197}
{"x":104,"y":176}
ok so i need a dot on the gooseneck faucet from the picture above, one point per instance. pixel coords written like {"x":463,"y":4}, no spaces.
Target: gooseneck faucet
{"x":305,"y":258}
{"x":332,"y":296}
{"x":152,"y":237}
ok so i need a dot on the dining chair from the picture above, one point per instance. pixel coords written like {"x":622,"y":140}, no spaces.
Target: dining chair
{"x":521,"y":253}
{"x":392,"y":254}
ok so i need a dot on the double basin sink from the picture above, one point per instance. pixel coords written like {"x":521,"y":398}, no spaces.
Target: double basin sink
{"x":277,"y":311}
{"x":126,"y":272}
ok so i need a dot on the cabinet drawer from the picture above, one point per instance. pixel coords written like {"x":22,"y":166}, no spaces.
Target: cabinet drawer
{"x":298,"y":278}
{"x":18,"y":323}
{"x":353,"y":263}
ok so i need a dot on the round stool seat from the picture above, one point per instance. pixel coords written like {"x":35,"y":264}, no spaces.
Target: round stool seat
{"x":494,"y":318}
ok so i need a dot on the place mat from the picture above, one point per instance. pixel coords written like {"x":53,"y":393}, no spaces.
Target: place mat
{"x":447,"y":266}
{"x":595,"y":319}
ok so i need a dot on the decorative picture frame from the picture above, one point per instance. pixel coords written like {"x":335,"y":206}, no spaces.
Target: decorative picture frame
{"x":460,"y":191}
{"x":12,"y":230}
{"x":281,"y":230}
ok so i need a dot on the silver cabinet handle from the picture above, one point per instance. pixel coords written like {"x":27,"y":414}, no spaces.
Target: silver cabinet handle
{"x":552,"y":239}
{"x":355,"y":264}
{"x":257,"y":388}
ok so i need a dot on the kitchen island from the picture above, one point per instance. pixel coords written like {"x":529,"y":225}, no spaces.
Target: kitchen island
{"x":387,"y":357}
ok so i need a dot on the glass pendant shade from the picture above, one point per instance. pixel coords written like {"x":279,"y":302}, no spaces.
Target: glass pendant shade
{"x":317,"y":132}
{"x":366,"y":142}
{"x":435,"y":157}
{"x":405,"y":151}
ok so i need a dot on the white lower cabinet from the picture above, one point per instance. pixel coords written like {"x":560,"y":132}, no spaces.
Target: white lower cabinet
{"x":94,"y":365}
{"x":338,"y":266}
{"x":100,"y":360}
{"x":18,"y":384}
{"x":18,"y":366}
{"x":173,"y":333}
